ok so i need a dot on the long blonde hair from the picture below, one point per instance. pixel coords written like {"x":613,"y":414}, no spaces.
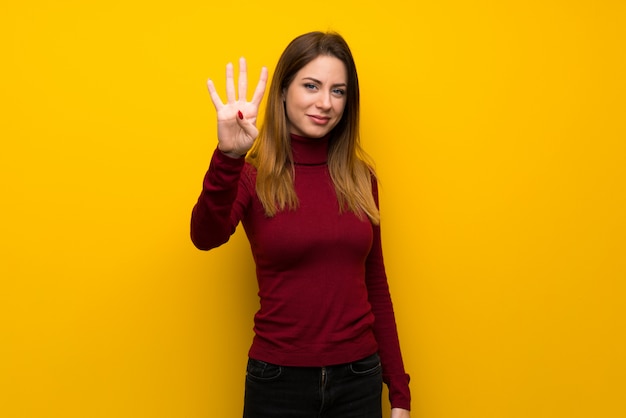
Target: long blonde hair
{"x":350,"y":168}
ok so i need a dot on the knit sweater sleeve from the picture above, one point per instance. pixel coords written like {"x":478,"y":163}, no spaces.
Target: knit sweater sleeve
{"x":385,"y":329}
{"x":221,"y":204}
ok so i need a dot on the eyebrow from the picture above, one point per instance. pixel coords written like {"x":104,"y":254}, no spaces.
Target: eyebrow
{"x":319,"y":82}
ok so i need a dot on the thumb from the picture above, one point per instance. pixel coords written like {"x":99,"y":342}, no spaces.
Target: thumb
{"x":248,"y":127}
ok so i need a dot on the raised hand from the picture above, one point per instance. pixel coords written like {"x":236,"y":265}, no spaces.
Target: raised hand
{"x":236,"y":119}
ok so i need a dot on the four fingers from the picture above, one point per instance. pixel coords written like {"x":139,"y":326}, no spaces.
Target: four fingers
{"x":233,"y":96}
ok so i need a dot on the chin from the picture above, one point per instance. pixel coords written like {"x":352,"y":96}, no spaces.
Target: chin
{"x":318,"y":133}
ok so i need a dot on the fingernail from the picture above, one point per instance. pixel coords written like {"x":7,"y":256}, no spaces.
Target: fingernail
{"x":240,"y":114}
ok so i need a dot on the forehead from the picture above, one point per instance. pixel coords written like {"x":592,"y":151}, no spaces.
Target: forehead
{"x":324,"y":68}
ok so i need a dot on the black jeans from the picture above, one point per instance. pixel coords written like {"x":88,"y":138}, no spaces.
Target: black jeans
{"x":350,"y":390}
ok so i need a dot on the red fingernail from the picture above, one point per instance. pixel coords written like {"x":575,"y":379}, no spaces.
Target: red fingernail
{"x":240,"y":114}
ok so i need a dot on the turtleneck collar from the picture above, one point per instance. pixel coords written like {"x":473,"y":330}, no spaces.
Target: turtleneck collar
{"x":309,"y":151}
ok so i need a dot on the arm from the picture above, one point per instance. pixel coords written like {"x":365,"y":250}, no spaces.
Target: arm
{"x":215,"y":216}
{"x":218,"y":209}
{"x":385,"y":329}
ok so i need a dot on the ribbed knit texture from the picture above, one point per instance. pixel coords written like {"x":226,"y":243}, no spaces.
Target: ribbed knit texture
{"x":322,"y":283}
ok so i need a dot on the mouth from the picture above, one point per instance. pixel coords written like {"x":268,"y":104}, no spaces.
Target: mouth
{"x":320,"y":120}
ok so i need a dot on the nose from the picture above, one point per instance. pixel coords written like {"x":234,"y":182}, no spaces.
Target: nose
{"x":323,"y":101}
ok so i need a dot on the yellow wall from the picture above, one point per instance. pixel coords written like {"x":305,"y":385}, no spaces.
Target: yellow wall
{"x":499,"y":133}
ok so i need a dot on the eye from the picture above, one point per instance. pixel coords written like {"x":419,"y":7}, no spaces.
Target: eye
{"x":339,"y":92}
{"x":310,"y":86}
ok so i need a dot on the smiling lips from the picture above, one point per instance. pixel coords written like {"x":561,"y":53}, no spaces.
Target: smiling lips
{"x":320,"y":120}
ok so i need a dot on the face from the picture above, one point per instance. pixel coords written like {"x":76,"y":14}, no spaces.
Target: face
{"x":316,"y":97}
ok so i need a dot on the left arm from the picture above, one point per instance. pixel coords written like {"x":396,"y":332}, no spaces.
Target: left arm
{"x":385,"y":329}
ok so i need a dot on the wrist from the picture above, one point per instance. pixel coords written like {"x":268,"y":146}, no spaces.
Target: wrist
{"x":233,"y":154}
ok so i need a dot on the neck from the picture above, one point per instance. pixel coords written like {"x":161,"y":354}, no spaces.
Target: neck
{"x":309,"y":151}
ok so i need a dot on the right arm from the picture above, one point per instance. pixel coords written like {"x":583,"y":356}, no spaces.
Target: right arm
{"x":218,"y":209}
{"x":215,"y":215}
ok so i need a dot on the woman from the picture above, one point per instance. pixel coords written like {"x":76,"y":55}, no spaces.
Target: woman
{"x":325,"y":334}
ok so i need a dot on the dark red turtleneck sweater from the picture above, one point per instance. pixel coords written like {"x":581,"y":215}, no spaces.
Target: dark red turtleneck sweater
{"x":322,"y":282}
